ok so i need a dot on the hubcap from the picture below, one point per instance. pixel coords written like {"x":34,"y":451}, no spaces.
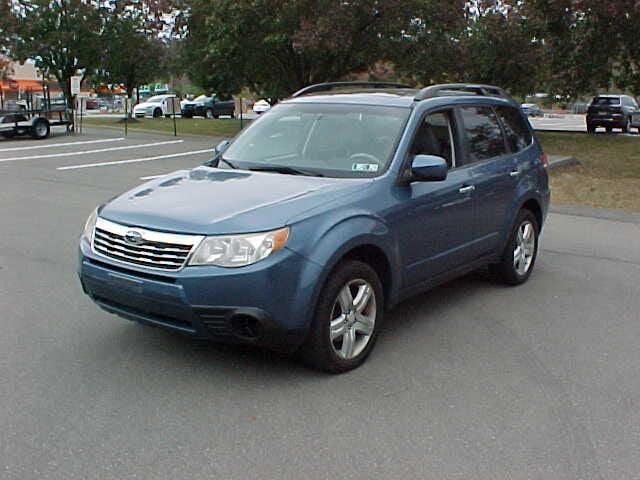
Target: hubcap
{"x":41,"y":129}
{"x":353,"y":319}
{"x":525,"y":248}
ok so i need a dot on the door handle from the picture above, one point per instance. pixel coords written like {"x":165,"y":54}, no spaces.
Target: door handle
{"x":467,"y":189}
{"x":514,"y":173}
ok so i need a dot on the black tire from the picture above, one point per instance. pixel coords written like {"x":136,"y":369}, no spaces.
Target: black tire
{"x":319,"y":350}
{"x":216,"y":116}
{"x":609,"y":129}
{"x":40,"y":129}
{"x":505,"y":271}
{"x":626,"y":128}
{"x":157,"y":113}
{"x":591,"y":128}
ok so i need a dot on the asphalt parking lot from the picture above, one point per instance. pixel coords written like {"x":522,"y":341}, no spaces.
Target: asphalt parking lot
{"x":471,"y":380}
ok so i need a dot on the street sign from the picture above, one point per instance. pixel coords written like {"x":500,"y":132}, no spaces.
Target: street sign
{"x":75,"y":85}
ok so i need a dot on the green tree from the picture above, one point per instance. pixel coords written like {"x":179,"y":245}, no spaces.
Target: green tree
{"x":61,"y":36}
{"x":275,"y":47}
{"x":498,"y":48}
{"x":133,"y":54}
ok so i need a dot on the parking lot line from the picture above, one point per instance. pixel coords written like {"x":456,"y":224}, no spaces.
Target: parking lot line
{"x":87,"y":152}
{"x":54,"y":145}
{"x":135,"y":160}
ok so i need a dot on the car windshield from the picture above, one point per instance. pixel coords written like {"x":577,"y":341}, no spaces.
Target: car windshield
{"x":201,"y":98}
{"x":321,"y":139}
{"x":606,"y":101}
{"x":156,"y":99}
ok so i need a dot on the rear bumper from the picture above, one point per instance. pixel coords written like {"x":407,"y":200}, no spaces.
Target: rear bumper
{"x":614,"y":120}
{"x":263,"y":304}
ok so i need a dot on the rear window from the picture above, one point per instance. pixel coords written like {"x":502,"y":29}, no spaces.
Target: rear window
{"x":516,"y":130}
{"x":604,"y":101}
{"x":483,"y":133}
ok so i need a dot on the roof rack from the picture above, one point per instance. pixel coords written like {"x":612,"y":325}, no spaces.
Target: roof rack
{"x":464,"y":88}
{"x":326,"y":87}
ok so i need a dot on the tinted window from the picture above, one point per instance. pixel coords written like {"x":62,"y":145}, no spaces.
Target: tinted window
{"x":604,"y":101}
{"x":434,"y":138}
{"x":483,"y":133}
{"x":516,"y":130}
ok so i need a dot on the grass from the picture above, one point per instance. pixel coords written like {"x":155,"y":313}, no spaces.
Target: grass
{"x":222,"y":127}
{"x":609,"y":174}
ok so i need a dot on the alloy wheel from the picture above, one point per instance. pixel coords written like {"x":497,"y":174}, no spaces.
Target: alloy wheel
{"x":525,"y":248}
{"x":353,"y":319}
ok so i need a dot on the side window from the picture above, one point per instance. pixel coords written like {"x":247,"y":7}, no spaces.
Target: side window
{"x":516,"y":130}
{"x":483,"y":133}
{"x":435,"y":137}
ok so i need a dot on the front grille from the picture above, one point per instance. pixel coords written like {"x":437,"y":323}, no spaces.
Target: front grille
{"x":152,"y":249}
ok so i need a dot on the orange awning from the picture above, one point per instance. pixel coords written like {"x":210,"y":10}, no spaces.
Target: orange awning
{"x":15,"y":85}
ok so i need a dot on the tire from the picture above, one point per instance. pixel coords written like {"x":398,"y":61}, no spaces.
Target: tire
{"x":216,"y":116}
{"x":208,"y":113}
{"x":40,"y":129}
{"x":511,"y":270}
{"x":609,"y":130}
{"x":591,"y":128}
{"x":157,"y":113}
{"x":356,"y":331}
{"x":626,"y":128}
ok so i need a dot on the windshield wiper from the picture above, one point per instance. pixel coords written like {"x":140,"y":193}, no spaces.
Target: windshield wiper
{"x":286,"y":170}
{"x":215,"y":161}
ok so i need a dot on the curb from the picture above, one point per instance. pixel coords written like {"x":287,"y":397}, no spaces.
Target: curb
{"x":556,"y":162}
{"x":601,"y":213}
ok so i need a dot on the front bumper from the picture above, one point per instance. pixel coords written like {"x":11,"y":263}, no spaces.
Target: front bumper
{"x":268,"y":303}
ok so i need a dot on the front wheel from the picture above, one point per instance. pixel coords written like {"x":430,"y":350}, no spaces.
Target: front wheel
{"x":347,"y":319}
{"x":157,"y":113}
{"x":626,"y":128}
{"x":519,"y":255}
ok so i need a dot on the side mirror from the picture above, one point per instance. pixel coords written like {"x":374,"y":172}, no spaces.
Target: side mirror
{"x":221,"y":147}
{"x":429,"y":168}
{"x":218,"y":151}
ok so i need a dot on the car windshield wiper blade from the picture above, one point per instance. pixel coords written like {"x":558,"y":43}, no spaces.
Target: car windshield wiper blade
{"x":286,"y":170}
{"x":215,"y":161}
{"x":228,"y":162}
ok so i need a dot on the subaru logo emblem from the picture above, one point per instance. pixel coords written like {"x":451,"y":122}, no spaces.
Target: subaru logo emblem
{"x":133,"y":237}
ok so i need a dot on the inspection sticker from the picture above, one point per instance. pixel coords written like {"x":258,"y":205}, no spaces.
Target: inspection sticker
{"x":364,"y":167}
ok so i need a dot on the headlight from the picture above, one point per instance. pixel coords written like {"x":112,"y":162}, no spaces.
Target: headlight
{"x":90,"y":225}
{"x":239,"y":250}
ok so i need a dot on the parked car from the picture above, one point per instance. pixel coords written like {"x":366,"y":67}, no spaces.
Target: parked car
{"x":613,"y":111}
{"x":157,"y":106}
{"x":322,"y":215}
{"x":208,"y":107}
{"x":261,"y":106}
{"x":532,"y":110}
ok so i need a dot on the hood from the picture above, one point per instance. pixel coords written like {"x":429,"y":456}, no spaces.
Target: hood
{"x":215,"y":201}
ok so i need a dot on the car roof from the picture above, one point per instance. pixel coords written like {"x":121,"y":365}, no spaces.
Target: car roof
{"x":403,"y":98}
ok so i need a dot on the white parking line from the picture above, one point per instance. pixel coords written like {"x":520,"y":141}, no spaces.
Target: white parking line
{"x":135,"y":160}
{"x":87,"y":152}
{"x":55,"y":145}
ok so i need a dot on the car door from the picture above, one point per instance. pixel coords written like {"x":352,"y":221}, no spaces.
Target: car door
{"x":494,"y":172}
{"x":436,"y":223}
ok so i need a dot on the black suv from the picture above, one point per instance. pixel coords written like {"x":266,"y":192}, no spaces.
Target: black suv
{"x":612,"y":111}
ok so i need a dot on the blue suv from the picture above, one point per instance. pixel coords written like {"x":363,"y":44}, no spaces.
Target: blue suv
{"x":323,"y":214}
